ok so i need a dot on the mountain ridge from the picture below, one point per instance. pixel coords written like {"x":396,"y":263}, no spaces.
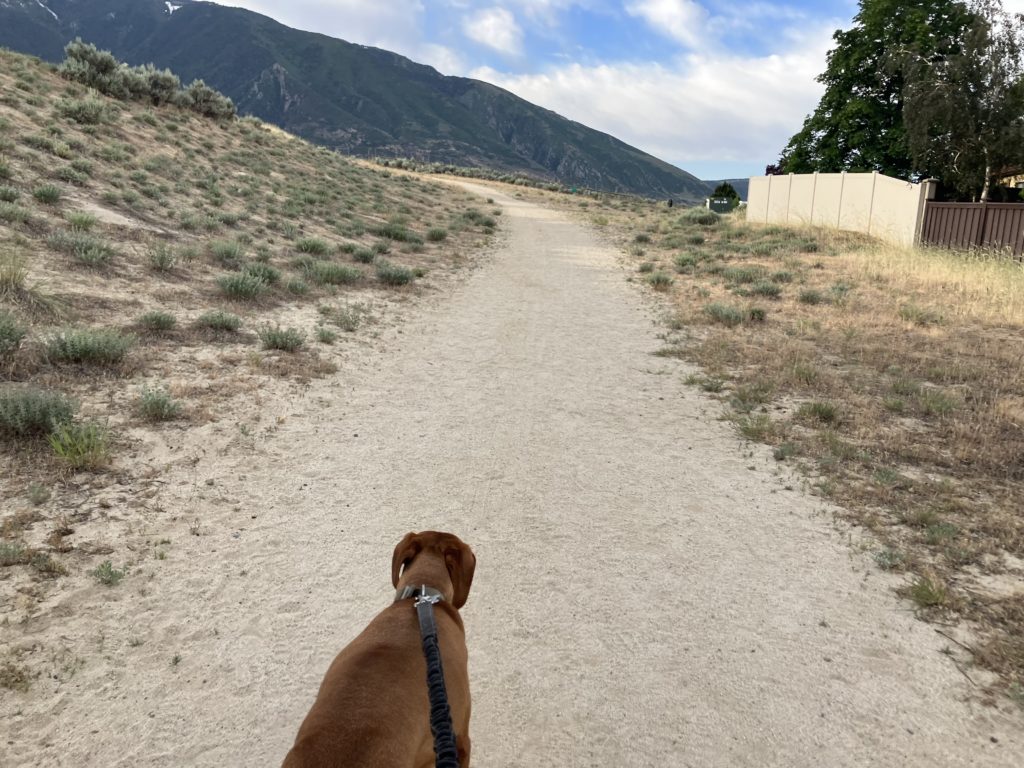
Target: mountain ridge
{"x":356,"y":99}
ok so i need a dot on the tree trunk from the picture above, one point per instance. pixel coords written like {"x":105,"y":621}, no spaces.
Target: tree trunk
{"x":988,"y":178}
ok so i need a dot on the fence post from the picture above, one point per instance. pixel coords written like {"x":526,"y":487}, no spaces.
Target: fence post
{"x":926,"y":192}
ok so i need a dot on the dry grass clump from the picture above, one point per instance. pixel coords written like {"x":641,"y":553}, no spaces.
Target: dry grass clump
{"x":893,"y":377}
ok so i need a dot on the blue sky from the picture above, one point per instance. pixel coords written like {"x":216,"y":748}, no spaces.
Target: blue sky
{"x":714,"y":87}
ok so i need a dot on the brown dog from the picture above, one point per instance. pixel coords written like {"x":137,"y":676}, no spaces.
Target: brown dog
{"x":373,"y":710}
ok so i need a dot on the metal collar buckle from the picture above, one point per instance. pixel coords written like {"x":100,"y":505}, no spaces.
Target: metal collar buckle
{"x":422,"y":593}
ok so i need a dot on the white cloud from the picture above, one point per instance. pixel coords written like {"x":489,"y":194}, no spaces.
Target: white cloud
{"x":704,"y":108}
{"x":495,"y":28}
{"x":682,"y":20}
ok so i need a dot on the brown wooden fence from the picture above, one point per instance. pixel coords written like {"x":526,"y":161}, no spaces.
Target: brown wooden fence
{"x":975,"y":225}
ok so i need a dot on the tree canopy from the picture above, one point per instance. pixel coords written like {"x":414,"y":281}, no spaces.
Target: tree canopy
{"x":964,"y":112}
{"x":858,"y":124}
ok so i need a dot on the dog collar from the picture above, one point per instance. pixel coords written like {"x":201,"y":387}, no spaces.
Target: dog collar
{"x":422,"y":591}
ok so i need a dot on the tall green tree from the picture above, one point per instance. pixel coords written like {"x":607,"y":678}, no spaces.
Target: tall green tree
{"x":858,"y":125}
{"x":964,"y":112}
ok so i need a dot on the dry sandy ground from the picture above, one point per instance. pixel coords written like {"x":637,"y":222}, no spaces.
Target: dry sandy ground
{"x":648,"y":593}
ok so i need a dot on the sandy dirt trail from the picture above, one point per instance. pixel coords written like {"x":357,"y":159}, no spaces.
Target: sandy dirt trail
{"x":648,"y":592}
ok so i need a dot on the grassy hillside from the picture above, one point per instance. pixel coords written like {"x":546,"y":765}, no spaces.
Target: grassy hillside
{"x":160,"y":273}
{"x":357,"y":99}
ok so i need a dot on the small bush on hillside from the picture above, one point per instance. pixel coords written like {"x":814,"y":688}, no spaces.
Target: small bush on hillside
{"x":87,"y":249}
{"x":437,"y":234}
{"x":264,"y":272}
{"x":86,"y":111}
{"x":26,"y":412}
{"x":12,"y":213}
{"x":11,"y":333}
{"x":5,"y":170}
{"x":297,"y":287}
{"x":105,"y":573}
{"x":393,"y":274}
{"x":328,"y":273}
{"x":94,"y":346}
{"x":158,"y":321}
{"x":81,"y":221}
{"x":201,"y":98}
{"x":8,"y":194}
{"x":312,"y":245}
{"x":659,"y":281}
{"x":162,"y":258}
{"x":47,"y":193}
{"x":724,"y":314}
{"x":700,"y":216}
{"x":81,"y":446}
{"x":219,"y":320}
{"x":157,"y":405}
{"x":228,"y":253}
{"x":285,"y":339}
{"x":364,"y":255}
{"x":242,"y":287}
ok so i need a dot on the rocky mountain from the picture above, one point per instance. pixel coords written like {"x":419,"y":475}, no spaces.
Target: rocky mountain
{"x":359,"y":100}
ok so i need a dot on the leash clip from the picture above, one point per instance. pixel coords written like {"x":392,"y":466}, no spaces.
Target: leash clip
{"x":423,"y":597}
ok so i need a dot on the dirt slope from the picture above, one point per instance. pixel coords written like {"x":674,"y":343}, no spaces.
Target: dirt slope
{"x":648,"y":593}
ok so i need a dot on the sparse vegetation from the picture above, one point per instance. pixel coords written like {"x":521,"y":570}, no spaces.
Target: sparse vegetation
{"x":91,"y":346}
{"x":393,"y":274}
{"x":157,"y":321}
{"x":219,"y":321}
{"x":105,"y":573}
{"x":158,"y":405}
{"x":81,"y":445}
{"x":242,"y":286}
{"x":285,"y":339}
{"x":28,"y":411}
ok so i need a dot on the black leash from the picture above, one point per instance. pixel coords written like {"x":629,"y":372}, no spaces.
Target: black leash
{"x":446,"y":754}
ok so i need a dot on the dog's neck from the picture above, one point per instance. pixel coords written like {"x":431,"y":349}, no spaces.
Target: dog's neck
{"x":425,"y":571}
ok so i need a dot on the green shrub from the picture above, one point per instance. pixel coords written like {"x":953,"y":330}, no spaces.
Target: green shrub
{"x":659,"y":281}
{"x":106,"y":573}
{"x":162,"y":258}
{"x":86,"y":111}
{"x":219,"y":320}
{"x":811,"y":296}
{"x":329,"y":273}
{"x":201,"y":98}
{"x":264,"y":272}
{"x":742,"y":275}
{"x":33,"y":411}
{"x":695,"y":239}
{"x":724,"y":314}
{"x":297,"y":287}
{"x":646,"y":267}
{"x":757,"y":314}
{"x":157,"y":405}
{"x":700,"y":216}
{"x":81,"y":446}
{"x":781,"y":276}
{"x":826,"y":413}
{"x":157,"y":321}
{"x":396,"y":231}
{"x":437,"y":234}
{"x":228,"y":253}
{"x":285,"y":339}
{"x":47,"y":193}
{"x":11,"y":333}
{"x":393,"y":274}
{"x":312,"y":245}
{"x":14,"y":214}
{"x":766,"y":289}
{"x":325,"y":335}
{"x":94,"y":346}
{"x":5,"y":170}
{"x":241,"y":286}
{"x":8,"y":194}
{"x":87,"y":249}
{"x":364,"y":255}
{"x":642,"y":238}
{"x":81,"y":221}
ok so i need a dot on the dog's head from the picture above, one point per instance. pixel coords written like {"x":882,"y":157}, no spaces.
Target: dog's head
{"x":437,"y":547}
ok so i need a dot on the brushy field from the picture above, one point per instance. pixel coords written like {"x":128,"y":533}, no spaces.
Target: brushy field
{"x":161,"y":271}
{"x":892,"y":378}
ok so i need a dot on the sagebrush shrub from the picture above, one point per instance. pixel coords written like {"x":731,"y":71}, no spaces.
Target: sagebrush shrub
{"x":158,"y":405}
{"x":329,"y":273}
{"x":11,"y":333}
{"x":241,"y":286}
{"x":276,"y":337}
{"x":312,"y":245}
{"x":157,"y":321}
{"x":33,"y":411}
{"x":87,"y":249}
{"x":47,"y":193}
{"x":264,"y":272}
{"x":94,"y":346}
{"x":393,"y":274}
{"x":219,"y":320}
{"x":81,"y":446}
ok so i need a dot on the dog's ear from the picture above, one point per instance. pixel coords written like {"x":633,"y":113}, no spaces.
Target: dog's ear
{"x":460,"y":562}
{"x":406,"y":550}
